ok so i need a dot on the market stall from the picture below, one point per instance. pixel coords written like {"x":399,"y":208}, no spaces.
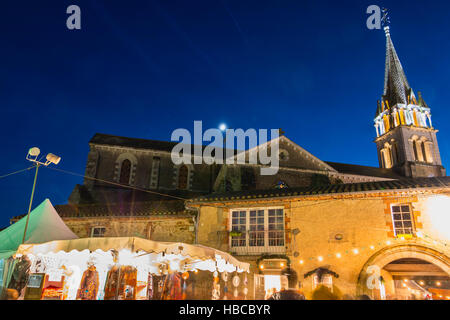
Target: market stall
{"x":130,"y":268}
{"x":44,"y":225}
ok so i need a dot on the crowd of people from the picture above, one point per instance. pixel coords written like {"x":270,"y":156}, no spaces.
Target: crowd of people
{"x":320,"y":293}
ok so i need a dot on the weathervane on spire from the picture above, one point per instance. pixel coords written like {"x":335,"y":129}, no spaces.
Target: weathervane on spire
{"x":385,"y":20}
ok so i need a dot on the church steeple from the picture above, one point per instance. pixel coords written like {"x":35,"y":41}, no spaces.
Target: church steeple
{"x":396,"y":86}
{"x":406,"y":140}
{"x":398,"y":105}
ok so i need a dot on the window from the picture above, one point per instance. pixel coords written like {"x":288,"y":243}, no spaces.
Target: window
{"x":326,"y":281}
{"x":416,"y":155}
{"x":276,"y":227}
{"x":125,"y":171}
{"x":98,"y":232}
{"x":239,"y":221}
{"x":395,"y":152}
{"x":154,"y":176}
{"x":257,"y":230}
{"x":183,"y":177}
{"x":402,"y":220}
{"x":424,"y":155}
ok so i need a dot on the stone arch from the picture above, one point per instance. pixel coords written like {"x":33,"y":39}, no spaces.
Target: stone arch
{"x":190,"y":173}
{"x":118,"y":166}
{"x":390,"y":254}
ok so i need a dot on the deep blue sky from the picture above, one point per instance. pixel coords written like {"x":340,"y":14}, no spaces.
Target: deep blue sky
{"x":144,"y":68}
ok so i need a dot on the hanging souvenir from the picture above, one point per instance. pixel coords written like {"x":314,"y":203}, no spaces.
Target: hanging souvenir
{"x":245,"y":291}
{"x":225,"y":276}
{"x":89,"y":284}
{"x":71,"y":283}
{"x":216,"y":292}
{"x":236,"y":281}
{"x":225,"y":286}
{"x":20,"y":275}
{"x":235,"y":293}
{"x":150,"y":287}
{"x":160,"y":285}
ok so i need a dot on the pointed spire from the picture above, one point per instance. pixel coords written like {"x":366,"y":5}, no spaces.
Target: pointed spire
{"x":396,"y":86}
{"x":421,"y":102}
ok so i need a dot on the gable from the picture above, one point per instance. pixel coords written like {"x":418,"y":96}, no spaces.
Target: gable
{"x":294,"y":156}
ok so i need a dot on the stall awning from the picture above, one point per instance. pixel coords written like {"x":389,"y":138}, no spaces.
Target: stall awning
{"x":134,"y":244}
{"x":44,"y":225}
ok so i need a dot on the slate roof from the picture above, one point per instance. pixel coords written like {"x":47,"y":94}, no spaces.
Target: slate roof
{"x":114,"y":194}
{"x":396,"y":86}
{"x":125,"y":209}
{"x":405,"y":183}
{"x":112,"y":140}
{"x":364,"y":170}
{"x":107,"y":139}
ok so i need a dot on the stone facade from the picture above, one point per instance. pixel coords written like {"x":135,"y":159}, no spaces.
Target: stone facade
{"x":331,"y":227}
{"x":154,"y":228}
{"x":406,"y":160}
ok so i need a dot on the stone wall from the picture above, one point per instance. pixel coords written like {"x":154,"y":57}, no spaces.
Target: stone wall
{"x":153,"y":228}
{"x":104,"y":163}
{"x":362,"y":221}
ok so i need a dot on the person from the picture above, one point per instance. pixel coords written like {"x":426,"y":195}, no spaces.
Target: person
{"x":323,"y":292}
{"x":293,"y":292}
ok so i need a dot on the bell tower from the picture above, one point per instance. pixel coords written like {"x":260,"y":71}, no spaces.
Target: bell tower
{"x":406,"y":139}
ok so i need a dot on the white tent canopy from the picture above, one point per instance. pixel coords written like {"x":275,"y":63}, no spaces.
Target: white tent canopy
{"x":44,"y":225}
{"x":205,"y":258}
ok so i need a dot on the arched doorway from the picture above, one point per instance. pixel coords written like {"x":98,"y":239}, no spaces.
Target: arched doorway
{"x":406,"y":272}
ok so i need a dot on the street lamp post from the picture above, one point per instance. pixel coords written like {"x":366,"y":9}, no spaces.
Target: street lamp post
{"x":32,"y":155}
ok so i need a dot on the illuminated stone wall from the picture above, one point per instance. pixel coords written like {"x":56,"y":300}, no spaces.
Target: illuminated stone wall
{"x":157,"y":229}
{"x":361,"y":220}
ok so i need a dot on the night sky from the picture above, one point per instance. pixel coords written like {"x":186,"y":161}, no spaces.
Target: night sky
{"x":144,"y":68}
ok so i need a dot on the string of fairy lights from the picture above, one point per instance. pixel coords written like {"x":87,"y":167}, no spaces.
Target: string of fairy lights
{"x":357,"y":250}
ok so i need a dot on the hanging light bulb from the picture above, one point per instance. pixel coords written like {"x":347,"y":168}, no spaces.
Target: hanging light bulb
{"x":320,"y":258}
{"x":338,"y":255}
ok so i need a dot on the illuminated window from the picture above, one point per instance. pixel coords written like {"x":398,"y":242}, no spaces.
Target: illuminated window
{"x":258,"y":229}
{"x":183,"y":177}
{"x":238,"y":228}
{"x":98,"y":232}
{"x":276,"y":227}
{"x":125,"y":172}
{"x":327,"y":281}
{"x":402,"y":219}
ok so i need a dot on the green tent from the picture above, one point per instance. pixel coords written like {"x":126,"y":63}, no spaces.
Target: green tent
{"x":44,"y":225}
